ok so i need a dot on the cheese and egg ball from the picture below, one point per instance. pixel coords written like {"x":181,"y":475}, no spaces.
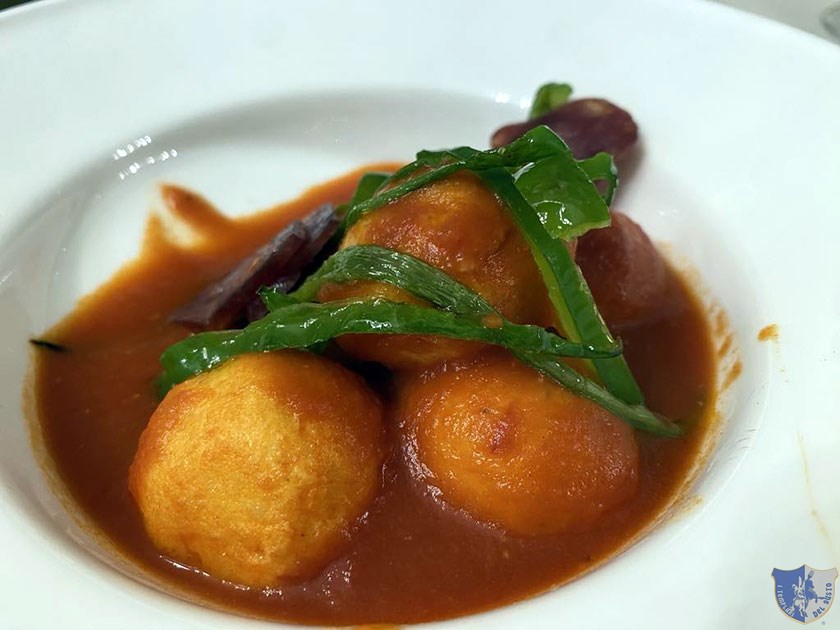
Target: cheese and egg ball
{"x":458,"y":226}
{"x":258,"y":470}
{"x":512,"y":447}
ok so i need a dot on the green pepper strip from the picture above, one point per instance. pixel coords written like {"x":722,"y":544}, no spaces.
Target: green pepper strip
{"x":368,"y":184}
{"x":549,"y":97}
{"x":536,"y":145}
{"x":372,"y":262}
{"x":567,"y":288}
{"x":300,"y":325}
{"x":601,"y":167}
{"x":636,"y":415}
{"x":356,"y":210}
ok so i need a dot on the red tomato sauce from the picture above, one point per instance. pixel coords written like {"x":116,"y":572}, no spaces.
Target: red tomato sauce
{"x":412,"y":559}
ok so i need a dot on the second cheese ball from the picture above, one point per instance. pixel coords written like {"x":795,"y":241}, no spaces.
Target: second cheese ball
{"x":257,"y":471}
{"x":458,"y":226}
{"x":512,"y":447}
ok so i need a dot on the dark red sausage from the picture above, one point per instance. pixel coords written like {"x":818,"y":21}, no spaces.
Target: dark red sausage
{"x":588,"y":126}
{"x":625,"y":272}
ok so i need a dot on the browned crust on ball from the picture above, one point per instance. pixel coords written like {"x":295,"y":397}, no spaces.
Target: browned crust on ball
{"x":258,"y":470}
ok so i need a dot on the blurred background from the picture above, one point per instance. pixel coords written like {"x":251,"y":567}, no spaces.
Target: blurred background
{"x":820,"y":17}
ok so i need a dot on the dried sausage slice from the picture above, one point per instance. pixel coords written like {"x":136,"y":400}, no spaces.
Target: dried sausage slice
{"x":233,"y":299}
{"x":588,"y":126}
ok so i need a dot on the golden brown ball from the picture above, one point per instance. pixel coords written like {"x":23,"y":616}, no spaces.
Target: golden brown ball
{"x":458,"y":226}
{"x":512,"y":447}
{"x":257,"y":471}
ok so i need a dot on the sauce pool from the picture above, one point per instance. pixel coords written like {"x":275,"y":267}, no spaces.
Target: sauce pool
{"x":411,"y":560}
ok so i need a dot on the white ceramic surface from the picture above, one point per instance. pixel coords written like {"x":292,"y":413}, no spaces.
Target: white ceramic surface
{"x":251,"y":102}
{"x":804,"y":14}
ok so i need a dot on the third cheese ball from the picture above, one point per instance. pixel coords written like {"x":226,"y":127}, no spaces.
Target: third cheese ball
{"x":514,"y":448}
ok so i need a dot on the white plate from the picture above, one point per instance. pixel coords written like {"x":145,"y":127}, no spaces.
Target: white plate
{"x":250,"y":102}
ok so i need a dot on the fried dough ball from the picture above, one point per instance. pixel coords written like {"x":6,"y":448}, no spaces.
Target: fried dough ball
{"x":460,"y":227}
{"x":625,"y":272}
{"x":257,"y":471}
{"x":512,"y":447}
